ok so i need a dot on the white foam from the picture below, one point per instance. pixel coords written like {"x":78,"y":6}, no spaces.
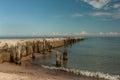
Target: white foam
{"x":86,"y":73}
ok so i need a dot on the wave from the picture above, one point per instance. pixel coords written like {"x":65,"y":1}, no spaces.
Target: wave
{"x":85,"y":73}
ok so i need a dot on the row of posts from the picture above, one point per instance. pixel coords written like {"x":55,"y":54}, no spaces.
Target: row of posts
{"x":14,"y":53}
{"x":59,"y":58}
{"x":64,"y":58}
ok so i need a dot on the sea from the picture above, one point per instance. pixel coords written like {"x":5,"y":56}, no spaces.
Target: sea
{"x":94,"y":54}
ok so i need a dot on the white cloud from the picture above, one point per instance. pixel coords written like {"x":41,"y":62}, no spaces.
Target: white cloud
{"x":106,"y":15}
{"x":116,"y":14}
{"x":116,"y":5}
{"x":77,"y":15}
{"x":101,"y":33}
{"x":84,"y":33}
{"x":109,"y":34}
{"x":97,"y":3}
{"x":55,"y":33}
{"x":100,"y":14}
{"x":81,"y":33}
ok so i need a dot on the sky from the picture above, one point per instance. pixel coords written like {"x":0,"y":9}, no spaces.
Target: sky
{"x":59,"y":17}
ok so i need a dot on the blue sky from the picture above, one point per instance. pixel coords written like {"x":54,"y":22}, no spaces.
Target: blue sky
{"x":59,"y":17}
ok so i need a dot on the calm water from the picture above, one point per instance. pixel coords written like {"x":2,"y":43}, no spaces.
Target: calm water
{"x":98,"y":54}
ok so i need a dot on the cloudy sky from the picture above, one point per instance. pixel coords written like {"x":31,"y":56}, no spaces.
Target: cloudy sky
{"x":59,"y":17}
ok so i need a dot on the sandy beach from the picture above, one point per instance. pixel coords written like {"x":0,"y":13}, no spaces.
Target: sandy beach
{"x":10,"y":71}
{"x":13,"y":72}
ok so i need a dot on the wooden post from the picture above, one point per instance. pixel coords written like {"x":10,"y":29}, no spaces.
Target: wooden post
{"x":44,"y":46}
{"x":18,"y":53}
{"x":58,"y":59}
{"x":65,"y":55}
{"x":49,"y":46}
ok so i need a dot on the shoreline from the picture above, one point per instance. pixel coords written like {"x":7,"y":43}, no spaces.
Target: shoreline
{"x":11,"y":48}
{"x":17,"y":72}
{"x":88,"y":75}
{"x":24,"y":71}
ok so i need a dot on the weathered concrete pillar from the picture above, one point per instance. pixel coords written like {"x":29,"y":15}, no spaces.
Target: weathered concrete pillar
{"x":58,"y":59}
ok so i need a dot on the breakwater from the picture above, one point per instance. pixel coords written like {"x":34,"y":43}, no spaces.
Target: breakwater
{"x":13,"y":50}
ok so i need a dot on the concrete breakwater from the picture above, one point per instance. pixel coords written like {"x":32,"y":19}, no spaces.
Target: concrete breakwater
{"x":13,"y":50}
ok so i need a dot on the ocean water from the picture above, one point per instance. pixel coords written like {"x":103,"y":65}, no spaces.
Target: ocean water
{"x":98,"y":54}
{"x":95,"y":54}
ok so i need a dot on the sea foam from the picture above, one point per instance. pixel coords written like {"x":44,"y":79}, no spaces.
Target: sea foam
{"x":85,"y":73}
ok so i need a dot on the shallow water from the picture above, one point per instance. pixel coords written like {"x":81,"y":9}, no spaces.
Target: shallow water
{"x":97,"y":54}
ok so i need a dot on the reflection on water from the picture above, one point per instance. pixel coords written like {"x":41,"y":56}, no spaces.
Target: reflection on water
{"x":65,"y":63}
{"x":50,"y":58}
{"x":65,"y":57}
{"x":44,"y":58}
